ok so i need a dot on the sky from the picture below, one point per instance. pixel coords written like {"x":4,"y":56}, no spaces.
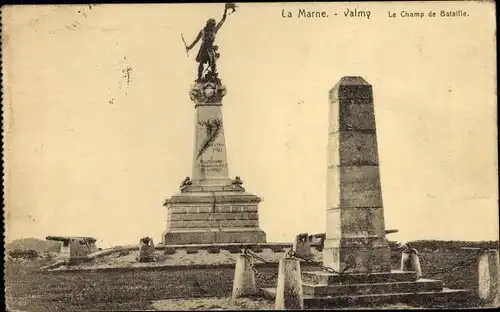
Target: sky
{"x":99,"y":128}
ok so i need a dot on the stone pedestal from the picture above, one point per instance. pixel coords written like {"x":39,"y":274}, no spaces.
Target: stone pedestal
{"x":355,"y":232}
{"x":213,"y":217}
{"x":211,"y":207}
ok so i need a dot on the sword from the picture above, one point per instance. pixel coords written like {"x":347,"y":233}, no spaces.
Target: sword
{"x":185,"y":45}
{"x":232,"y":7}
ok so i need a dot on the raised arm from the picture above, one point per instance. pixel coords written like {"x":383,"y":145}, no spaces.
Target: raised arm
{"x":219,"y":25}
{"x":195,"y":41}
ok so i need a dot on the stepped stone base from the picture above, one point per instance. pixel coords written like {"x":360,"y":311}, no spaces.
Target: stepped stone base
{"x":446,"y":298}
{"x":324,"y":278}
{"x":213,"y":218}
{"x":422,"y":285}
{"x":322,"y":289}
{"x":215,"y":236}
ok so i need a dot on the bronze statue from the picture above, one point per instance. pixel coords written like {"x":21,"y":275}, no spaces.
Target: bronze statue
{"x":208,"y":52}
{"x":237,"y":181}
{"x":187,"y":181}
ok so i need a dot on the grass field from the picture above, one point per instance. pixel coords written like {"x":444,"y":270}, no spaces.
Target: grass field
{"x":30,"y":290}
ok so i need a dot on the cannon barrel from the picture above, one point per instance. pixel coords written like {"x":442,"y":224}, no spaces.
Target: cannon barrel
{"x":475,"y":248}
{"x":58,"y":238}
{"x":67,"y":238}
{"x":320,"y":235}
{"x":323,"y":235}
{"x":391,"y":231}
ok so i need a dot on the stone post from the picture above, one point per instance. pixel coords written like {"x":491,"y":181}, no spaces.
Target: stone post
{"x":244,"y":278}
{"x":289,"y":294}
{"x":355,"y":230}
{"x":488,"y":270}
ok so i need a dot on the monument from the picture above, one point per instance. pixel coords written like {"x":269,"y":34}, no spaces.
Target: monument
{"x":355,"y":235}
{"x":355,"y":249}
{"x":211,"y":207}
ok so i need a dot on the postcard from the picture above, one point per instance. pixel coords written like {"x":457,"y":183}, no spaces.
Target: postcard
{"x":250,"y":156}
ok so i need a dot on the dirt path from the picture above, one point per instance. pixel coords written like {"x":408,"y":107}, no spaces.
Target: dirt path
{"x":213,"y":304}
{"x":230,"y":304}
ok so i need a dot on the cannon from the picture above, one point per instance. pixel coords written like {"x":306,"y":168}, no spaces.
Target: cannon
{"x":67,"y":239}
{"x":74,"y":249}
{"x":318,"y":240}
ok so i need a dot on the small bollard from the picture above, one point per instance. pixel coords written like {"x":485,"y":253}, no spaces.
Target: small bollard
{"x":488,"y":278}
{"x":244,"y":278}
{"x":289,"y":295}
{"x":410,"y":262}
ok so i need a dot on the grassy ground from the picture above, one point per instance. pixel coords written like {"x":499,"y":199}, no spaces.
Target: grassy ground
{"x":28,"y":290}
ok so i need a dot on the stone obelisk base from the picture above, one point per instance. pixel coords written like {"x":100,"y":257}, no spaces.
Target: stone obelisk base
{"x":212,"y":218}
{"x":327,"y":290}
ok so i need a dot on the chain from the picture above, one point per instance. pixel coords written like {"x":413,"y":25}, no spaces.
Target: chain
{"x":459,"y":266}
{"x":290,"y":253}
{"x":342,"y":273}
{"x":251,"y":254}
{"x":421,"y":258}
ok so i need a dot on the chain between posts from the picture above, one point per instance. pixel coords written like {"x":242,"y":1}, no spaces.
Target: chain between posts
{"x":251,"y":254}
{"x":462,"y":264}
{"x":342,"y":273}
{"x":290,"y":253}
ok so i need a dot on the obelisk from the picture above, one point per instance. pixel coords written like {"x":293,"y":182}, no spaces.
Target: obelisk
{"x":211,"y":207}
{"x":355,"y":232}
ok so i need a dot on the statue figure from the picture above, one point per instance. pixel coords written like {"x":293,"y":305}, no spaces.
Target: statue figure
{"x":237,"y":181}
{"x":187,"y":181}
{"x":207,"y":54}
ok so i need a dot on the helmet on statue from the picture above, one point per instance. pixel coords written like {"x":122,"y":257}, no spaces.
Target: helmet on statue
{"x":211,"y":22}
